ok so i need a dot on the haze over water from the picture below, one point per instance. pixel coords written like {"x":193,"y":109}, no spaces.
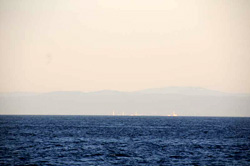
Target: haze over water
{"x":124,"y":57}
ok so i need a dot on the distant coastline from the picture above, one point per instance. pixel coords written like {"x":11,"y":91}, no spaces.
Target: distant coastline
{"x":184,"y":101}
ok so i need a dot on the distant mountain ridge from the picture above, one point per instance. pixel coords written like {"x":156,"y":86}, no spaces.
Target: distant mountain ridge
{"x":185,"y":101}
{"x":187,"y":91}
{"x":165,"y":90}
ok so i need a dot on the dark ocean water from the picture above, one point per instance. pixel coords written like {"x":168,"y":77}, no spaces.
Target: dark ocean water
{"x":124,"y":140}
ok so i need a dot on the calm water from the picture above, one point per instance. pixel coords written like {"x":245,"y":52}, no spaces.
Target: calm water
{"x":109,"y":140}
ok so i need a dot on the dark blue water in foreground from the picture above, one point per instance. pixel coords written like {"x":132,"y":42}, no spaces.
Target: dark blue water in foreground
{"x":109,"y":140}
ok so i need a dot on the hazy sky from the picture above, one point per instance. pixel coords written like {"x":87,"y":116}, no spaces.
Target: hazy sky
{"x":50,"y":45}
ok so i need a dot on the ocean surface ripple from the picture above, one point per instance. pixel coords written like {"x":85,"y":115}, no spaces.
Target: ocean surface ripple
{"x":124,"y":140}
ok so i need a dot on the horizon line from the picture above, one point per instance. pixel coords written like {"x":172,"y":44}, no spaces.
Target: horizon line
{"x":128,"y":91}
{"x":224,"y":116}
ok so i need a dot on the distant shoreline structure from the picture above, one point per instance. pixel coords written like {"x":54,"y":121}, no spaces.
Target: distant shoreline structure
{"x":173,"y":114}
{"x":123,"y":114}
{"x":136,"y":114}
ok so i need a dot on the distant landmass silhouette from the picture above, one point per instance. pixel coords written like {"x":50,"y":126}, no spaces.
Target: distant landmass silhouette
{"x":184,"y":101}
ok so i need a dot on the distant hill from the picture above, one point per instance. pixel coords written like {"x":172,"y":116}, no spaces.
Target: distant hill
{"x":187,"y":91}
{"x":185,"y":101}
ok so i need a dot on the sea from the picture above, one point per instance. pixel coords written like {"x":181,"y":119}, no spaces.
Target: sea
{"x":124,"y":140}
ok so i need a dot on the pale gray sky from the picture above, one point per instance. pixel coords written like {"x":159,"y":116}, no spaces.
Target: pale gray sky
{"x":50,"y":45}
